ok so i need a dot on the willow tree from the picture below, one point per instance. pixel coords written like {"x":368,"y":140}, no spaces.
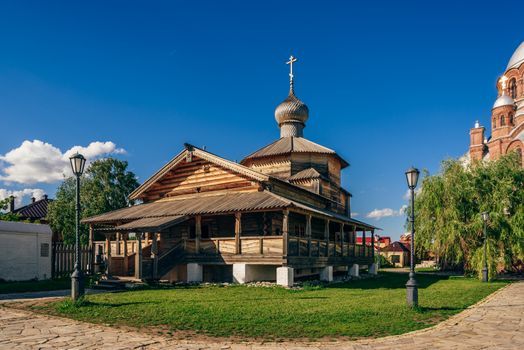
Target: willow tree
{"x":449,"y":221}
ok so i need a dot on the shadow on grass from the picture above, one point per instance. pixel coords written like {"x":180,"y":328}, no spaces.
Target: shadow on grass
{"x":442,"y":308}
{"x":389,"y":280}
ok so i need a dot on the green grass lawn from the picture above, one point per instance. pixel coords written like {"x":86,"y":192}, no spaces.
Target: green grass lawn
{"x":34,"y":286}
{"x":365,"y":308}
{"x":426,"y":269}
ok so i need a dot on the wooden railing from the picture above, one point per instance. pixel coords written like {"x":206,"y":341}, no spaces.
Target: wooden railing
{"x":259,"y":245}
{"x":299,"y":246}
{"x":132,"y":246}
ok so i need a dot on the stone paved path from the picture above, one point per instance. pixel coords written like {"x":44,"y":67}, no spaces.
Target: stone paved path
{"x":496,"y":323}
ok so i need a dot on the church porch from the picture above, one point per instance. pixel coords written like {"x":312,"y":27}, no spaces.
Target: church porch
{"x":236,"y":247}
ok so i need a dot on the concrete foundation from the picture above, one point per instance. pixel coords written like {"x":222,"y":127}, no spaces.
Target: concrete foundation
{"x":285,"y":276}
{"x":373,"y":269}
{"x":244,"y":273}
{"x":195,"y":272}
{"x":326,"y":274}
{"x":354,"y":270}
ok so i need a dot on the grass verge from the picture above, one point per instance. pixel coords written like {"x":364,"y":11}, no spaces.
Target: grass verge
{"x":365,"y":308}
{"x":35,"y":286}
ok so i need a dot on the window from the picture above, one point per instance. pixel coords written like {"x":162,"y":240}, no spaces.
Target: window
{"x":513,"y":88}
{"x":44,"y":250}
{"x":395,"y":259}
{"x":494,"y":122}
{"x":511,"y":119}
{"x":502,"y":120}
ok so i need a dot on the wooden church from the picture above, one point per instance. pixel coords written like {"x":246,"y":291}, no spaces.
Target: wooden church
{"x":278,"y":215}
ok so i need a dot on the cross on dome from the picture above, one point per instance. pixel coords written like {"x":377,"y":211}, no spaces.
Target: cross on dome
{"x":292,"y":60}
{"x":291,"y":114}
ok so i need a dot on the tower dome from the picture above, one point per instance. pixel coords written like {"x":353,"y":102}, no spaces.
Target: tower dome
{"x":503,"y":99}
{"x":291,"y":109}
{"x":292,"y":114}
{"x":517,"y":58}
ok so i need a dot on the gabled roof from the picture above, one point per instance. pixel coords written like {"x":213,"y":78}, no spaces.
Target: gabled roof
{"x":309,"y":173}
{"x":195,"y":151}
{"x":395,"y":247}
{"x":290,"y":144}
{"x":34,"y":211}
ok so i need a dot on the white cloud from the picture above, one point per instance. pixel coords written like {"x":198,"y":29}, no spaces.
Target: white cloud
{"x":21,"y":194}
{"x":386,"y":212}
{"x":41,"y":162}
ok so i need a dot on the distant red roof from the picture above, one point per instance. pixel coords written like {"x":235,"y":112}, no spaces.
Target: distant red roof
{"x":377,"y":239}
{"x":396,"y":247}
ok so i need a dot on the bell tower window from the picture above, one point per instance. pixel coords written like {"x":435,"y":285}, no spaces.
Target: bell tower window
{"x":502,"y":120}
{"x":513,"y":88}
{"x":511,"y":119}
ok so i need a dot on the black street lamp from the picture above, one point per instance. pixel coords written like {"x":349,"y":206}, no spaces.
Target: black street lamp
{"x":412,"y":286}
{"x":77,"y":279}
{"x":485,"y":217}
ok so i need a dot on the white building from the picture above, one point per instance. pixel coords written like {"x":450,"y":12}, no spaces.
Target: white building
{"x":25,"y":251}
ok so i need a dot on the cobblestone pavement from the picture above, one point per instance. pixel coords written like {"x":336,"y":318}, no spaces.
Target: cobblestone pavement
{"x":495,"y":323}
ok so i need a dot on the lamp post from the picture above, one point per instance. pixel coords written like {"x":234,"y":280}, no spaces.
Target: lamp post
{"x":77,"y":281}
{"x":412,"y":286}
{"x":485,"y":217}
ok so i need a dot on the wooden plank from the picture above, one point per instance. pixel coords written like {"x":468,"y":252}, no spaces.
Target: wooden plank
{"x":250,"y":246}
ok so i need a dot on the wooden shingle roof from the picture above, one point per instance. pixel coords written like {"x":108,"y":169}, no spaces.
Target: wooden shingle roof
{"x":309,"y":173}
{"x":290,"y":144}
{"x":209,"y":204}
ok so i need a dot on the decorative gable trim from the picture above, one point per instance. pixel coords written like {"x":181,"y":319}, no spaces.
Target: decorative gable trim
{"x":187,"y":154}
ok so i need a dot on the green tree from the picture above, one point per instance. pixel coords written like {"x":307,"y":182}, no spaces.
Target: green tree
{"x":104,"y":186}
{"x":449,"y":207}
{"x":7,"y":216}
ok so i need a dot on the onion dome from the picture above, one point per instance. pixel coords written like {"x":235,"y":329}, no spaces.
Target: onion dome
{"x":292,"y":114}
{"x":291,"y":109}
{"x":517,"y":58}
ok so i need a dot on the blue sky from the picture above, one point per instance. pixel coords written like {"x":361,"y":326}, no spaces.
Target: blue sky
{"x":388,"y":84}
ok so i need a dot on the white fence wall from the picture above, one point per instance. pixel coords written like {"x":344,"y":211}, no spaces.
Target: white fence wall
{"x":25,"y":251}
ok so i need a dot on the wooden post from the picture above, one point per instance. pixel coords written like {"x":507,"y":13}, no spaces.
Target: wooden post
{"x":326,"y":236}
{"x":138,"y":256}
{"x":373,"y":245}
{"x":117,"y":241}
{"x":308,"y":233}
{"x":108,"y":254}
{"x":91,"y":250}
{"x":198,"y":233}
{"x":126,"y":262}
{"x":154,"y":254}
{"x":354,"y":234}
{"x":238,"y":232}
{"x":285,"y":231}
{"x":342,"y":239}
{"x":364,"y":242}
